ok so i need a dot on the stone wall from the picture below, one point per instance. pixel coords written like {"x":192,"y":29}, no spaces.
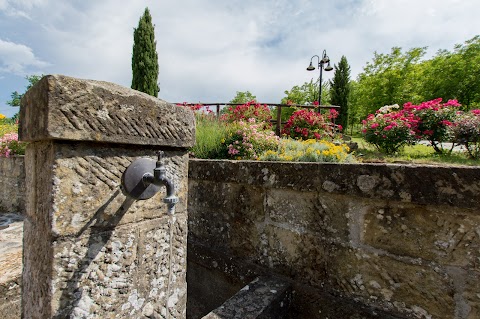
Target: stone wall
{"x":12,"y":185}
{"x":401,"y":239}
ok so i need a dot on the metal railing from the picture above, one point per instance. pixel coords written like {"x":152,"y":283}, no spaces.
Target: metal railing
{"x":278,"y":121}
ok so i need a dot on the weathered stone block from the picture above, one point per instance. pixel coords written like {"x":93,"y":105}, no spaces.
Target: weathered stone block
{"x":85,"y":181}
{"x":263,"y":298}
{"x":300,"y":256}
{"x":65,"y":108}
{"x":127,"y":272}
{"x":425,"y":185}
{"x":425,"y":232}
{"x":226,"y":215}
{"x":320,"y":213}
{"x":416,"y":289}
{"x":12,"y":184}
{"x":11,"y":229}
{"x":468,"y":305}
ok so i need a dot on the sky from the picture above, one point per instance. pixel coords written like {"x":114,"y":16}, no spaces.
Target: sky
{"x":210,"y":49}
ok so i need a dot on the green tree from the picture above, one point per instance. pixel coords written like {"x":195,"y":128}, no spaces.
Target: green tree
{"x":454,"y":75}
{"x":32,"y":79}
{"x":243,"y":97}
{"x":340,"y":90}
{"x":145,"y":57}
{"x":304,"y":94}
{"x":392,"y":78}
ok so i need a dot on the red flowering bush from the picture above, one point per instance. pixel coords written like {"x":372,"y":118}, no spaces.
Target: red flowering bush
{"x":252,"y":109}
{"x":466,"y":131}
{"x":390,"y":132}
{"x":304,"y":124}
{"x":435,"y":118}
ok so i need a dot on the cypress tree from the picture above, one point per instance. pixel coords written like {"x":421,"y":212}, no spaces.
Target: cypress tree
{"x":145,"y":57}
{"x":340,"y":89}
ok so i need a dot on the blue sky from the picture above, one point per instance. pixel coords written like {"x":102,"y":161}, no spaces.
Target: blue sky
{"x":210,"y":49}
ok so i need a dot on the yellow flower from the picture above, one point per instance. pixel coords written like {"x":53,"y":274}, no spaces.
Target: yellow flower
{"x":2,"y":116}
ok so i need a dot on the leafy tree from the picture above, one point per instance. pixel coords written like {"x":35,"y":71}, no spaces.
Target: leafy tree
{"x":389,"y":79}
{"x":340,"y":90}
{"x":304,"y":94}
{"x":145,"y":57}
{"x":307,"y":93}
{"x":32,"y":80}
{"x":243,"y":97}
{"x":455,"y":75}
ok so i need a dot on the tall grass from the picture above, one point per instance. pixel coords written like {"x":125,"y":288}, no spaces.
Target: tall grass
{"x":210,"y":137}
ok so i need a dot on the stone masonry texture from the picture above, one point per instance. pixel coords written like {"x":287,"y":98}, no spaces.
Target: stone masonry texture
{"x":90,"y":251}
{"x":64,"y":108}
{"x":12,"y":185}
{"x":402,"y":239}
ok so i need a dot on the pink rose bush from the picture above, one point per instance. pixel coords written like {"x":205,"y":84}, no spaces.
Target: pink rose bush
{"x":466,"y":131}
{"x":391,"y":128}
{"x":391,"y":131}
{"x":306,"y":124}
{"x":252,"y":109}
{"x":435,"y":118}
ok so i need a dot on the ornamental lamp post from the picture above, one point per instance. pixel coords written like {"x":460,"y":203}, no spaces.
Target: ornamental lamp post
{"x":321,"y":67}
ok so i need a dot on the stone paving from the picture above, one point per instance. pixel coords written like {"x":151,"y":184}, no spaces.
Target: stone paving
{"x":11,"y":233}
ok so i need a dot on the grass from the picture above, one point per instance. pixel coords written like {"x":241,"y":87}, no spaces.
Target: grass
{"x":420,"y":154}
{"x":210,"y":135}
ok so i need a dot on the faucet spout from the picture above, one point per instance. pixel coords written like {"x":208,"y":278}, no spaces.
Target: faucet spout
{"x":159,"y":178}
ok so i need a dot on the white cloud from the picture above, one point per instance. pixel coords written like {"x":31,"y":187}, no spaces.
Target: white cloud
{"x":16,"y":58}
{"x":210,"y":49}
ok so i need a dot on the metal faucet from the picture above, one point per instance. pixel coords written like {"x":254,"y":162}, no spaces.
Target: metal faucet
{"x":139,"y":183}
{"x":159,"y":178}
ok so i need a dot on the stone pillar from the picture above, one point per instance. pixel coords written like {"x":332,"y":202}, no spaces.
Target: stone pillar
{"x":90,"y":251}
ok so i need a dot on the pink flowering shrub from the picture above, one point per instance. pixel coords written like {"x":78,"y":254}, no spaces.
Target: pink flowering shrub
{"x":466,"y":131}
{"x":305,"y":124}
{"x":9,"y":145}
{"x":390,"y":132}
{"x":252,"y":109}
{"x":435,"y":118}
{"x":249,"y":140}
{"x":391,"y":128}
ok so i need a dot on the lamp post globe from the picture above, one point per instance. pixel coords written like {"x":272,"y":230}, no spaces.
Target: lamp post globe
{"x":321,"y":66}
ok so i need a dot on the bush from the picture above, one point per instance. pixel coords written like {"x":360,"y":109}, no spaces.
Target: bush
{"x":435,"y":118}
{"x":466,"y":131}
{"x":311,"y":150}
{"x":249,"y":140}
{"x":305,"y":124}
{"x":389,"y":131}
{"x":250,"y":110}
{"x":9,"y":145}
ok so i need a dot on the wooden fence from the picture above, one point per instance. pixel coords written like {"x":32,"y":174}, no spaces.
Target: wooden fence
{"x":277,"y":121}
